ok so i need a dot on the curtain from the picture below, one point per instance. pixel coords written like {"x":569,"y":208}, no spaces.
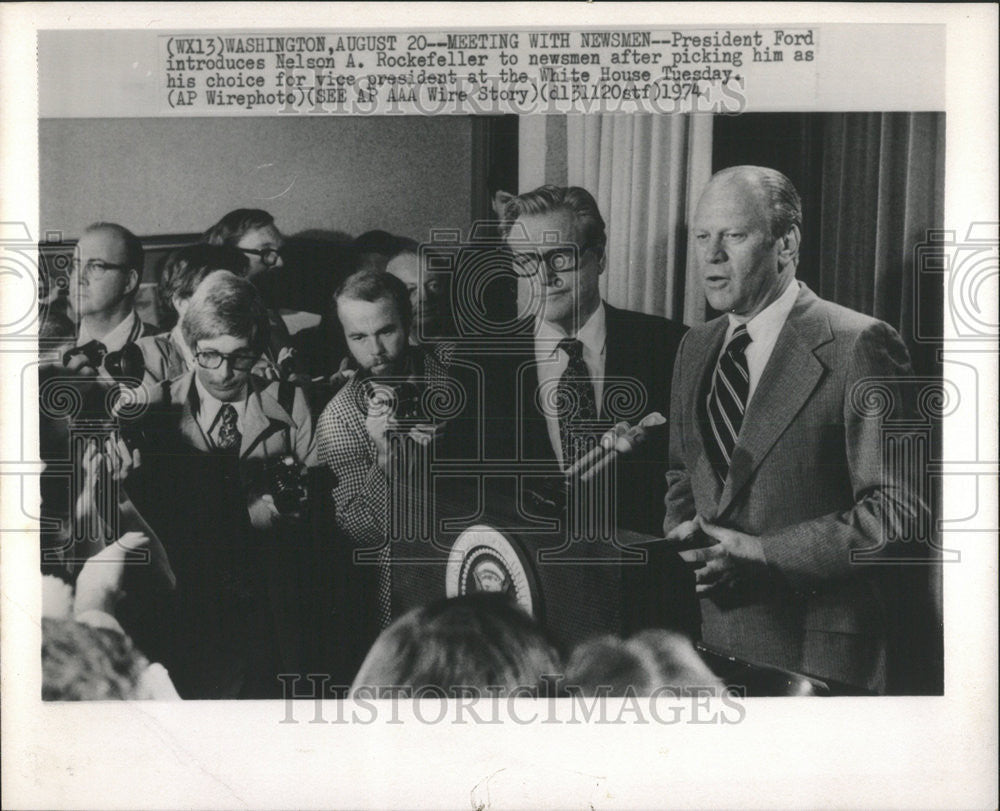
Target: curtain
{"x":645,"y":171}
{"x":882,"y":192}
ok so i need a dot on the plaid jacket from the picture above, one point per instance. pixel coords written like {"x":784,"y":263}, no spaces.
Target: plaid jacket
{"x":361,"y":488}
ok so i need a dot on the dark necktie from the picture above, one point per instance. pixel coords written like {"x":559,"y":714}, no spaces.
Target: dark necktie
{"x":228,"y":437}
{"x":576,"y":404}
{"x":727,"y":401}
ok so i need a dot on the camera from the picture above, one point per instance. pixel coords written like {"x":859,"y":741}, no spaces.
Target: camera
{"x":127,"y":364}
{"x":408,"y":403}
{"x":401,"y":398}
{"x":124,"y":365}
{"x":90,"y":351}
{"x":287,"y":483}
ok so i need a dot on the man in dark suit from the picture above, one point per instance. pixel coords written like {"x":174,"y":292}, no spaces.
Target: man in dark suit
{"x":777,"y":474}
{"x":582,"y":365}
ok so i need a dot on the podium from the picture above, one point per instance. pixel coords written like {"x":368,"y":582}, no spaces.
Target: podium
{"x":519,"y":536}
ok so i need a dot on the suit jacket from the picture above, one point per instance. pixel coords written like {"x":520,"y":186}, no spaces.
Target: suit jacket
{"x":234,"y":621}
{"x":806,"y":477}
{"x":163,"y":357}
{"x":638,"y":366}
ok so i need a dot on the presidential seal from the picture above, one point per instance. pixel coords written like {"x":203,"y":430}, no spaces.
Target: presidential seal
{"x":483,"y":559}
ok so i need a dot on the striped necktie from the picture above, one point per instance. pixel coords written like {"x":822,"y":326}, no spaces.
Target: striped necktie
{"x":727,"y":401}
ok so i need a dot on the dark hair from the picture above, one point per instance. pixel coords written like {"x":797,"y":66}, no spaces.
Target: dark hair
{"x":499,"y":175}
{"x":81,"y":663}
{"x":477,"y":641}
{"x":589,"y":225}
{"x":371,"y":284}
{"x":135,"y":256}
{"x":234,"y":225}
{"x":226,"y":304}
{"x":404,"y":246}
{"x":649,"y":661}
{"x":381,"y":242}
{"x":784,"y":207}
{"x":185,"y":268}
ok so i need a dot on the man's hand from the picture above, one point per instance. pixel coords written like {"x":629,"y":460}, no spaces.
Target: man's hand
{"x":381,"y":427}
{"x":120,"y":461}
{"x":378,"y":423}
{"x":99,"y":586}
{"x":684,"y":530}
{"x":342,"y":375}
{"x":426,"y":432}
{"x":720,"y":557}
{"x":264,"y":515}
{"x":80,"y":365}
{"x":116,"y":460}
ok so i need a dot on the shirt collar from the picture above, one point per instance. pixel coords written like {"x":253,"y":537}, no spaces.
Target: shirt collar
{"x":593,"y":335}
{"x":769,"y":321}
{"x":117,"y":337}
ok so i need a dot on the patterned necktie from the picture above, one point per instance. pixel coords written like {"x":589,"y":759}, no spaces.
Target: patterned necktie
{"x":576,"y":405}
{"x":228,"y":437}
{"x":727,"y":401}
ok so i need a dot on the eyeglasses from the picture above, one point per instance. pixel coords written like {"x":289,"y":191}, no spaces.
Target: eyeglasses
{"x":240,"y":361}
{"x":268,"y":256}
{"x":95,"y":268}
{"x":556,"y":260}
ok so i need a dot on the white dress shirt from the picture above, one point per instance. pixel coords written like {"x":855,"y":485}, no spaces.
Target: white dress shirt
{"x":209,"y":408}
{"x":118,"y":337}
{"x":552,"y":362}
{"x":764,"y":329}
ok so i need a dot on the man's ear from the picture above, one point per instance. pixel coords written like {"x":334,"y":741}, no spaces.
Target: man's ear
{"x":133,"y":282}
{"x":602,"y":261}
{"x":788,"y":247}
{"x":500,"y":200}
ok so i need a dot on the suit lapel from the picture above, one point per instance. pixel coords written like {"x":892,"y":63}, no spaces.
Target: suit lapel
{"x":534,"y":428}
{"x":702,"y":365}
{"x":184,"y":391}
{"x":616,"y":354}
{"x":262,"y":417}
{"x":792,"y":373}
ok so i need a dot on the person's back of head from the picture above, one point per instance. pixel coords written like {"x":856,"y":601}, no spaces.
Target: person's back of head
{"x":376,"y":247}
{"x":652,"y":662}
{"x":186,"y":267}
{"x":236,"y":224}
{"x":226,"y":304}
{"x":81,"y":663}
{"x":481,"y":642}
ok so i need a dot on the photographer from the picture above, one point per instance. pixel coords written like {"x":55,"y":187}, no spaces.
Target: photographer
{"x":221,"y":480}
{"x":372,"y":433}
{"x":104,"y":282}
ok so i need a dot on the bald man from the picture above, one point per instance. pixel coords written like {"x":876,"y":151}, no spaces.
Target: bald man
{"x":104,"y":281}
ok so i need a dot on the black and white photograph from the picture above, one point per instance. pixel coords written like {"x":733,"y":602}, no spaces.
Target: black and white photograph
{"x":612,"y":385}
